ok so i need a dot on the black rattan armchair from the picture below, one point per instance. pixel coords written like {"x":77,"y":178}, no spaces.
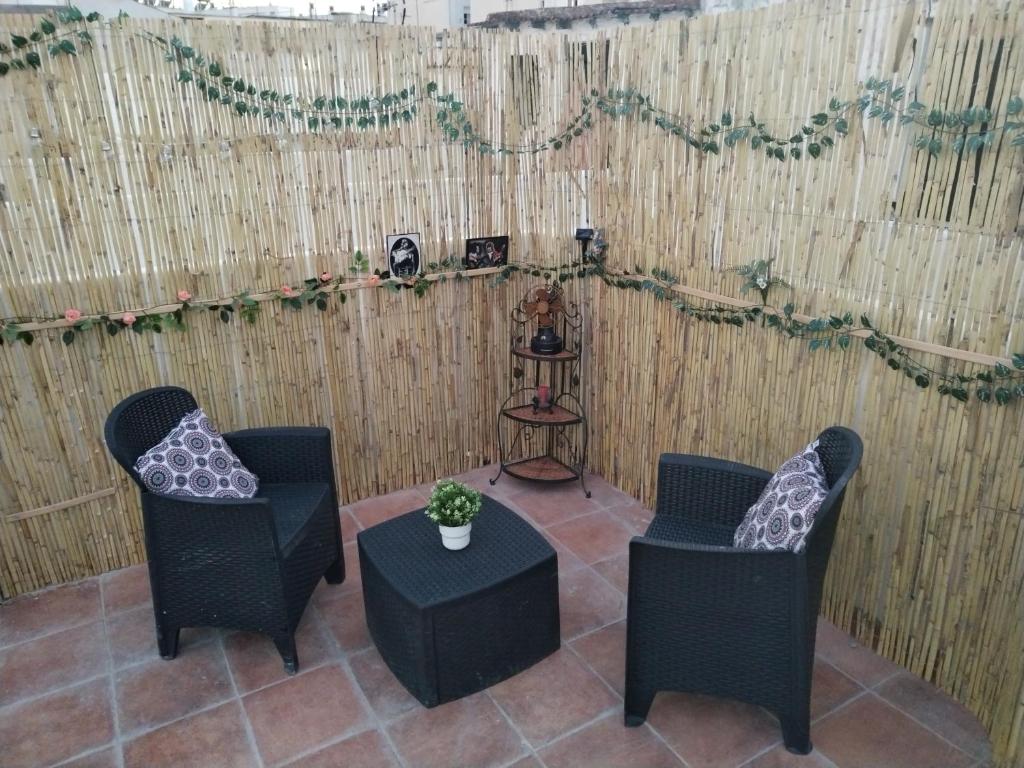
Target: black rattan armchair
{"x":705,"y":617}
{"x":247,"y":564}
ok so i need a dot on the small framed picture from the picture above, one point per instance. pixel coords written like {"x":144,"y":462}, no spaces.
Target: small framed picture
{"x":404,"y":258}
{"x":486,"y":252}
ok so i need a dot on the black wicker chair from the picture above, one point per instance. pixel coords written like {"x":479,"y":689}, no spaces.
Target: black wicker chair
{"x":705,"y":617}
{"x":247,"y":564}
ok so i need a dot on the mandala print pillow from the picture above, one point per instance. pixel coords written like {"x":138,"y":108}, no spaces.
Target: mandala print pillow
{"x":785,"y":511}
{"x":194,"y":460}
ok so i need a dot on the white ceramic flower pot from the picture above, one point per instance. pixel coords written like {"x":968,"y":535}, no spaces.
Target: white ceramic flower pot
{"x":457,"y":537}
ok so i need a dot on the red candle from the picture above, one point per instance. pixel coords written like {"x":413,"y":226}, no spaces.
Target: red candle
{"x":542,"y":394}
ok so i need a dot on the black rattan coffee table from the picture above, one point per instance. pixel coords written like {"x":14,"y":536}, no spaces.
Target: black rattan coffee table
{"x":450,"y":623}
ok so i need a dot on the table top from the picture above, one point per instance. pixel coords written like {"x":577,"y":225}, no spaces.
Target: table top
{"x":408,"y":551}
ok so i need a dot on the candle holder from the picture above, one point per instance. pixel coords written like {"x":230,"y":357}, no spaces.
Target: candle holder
{"x":542,"y":400}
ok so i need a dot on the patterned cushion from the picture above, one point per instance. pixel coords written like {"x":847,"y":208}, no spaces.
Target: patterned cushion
{"x":194,"y":460}
{"x":785,"y":511}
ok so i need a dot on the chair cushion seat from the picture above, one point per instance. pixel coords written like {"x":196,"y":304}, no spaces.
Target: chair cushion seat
{"x":682,"y":530}
{"x":294,"y":506}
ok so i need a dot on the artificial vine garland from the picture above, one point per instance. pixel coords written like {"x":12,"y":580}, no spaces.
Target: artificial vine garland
{"x":962,"y":130}
{"x":1000,"y":383}
{"x":968,"y":130}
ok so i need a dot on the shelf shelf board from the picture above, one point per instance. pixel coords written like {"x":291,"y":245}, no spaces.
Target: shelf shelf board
{"x":558,"y":415}
{"x":529,"y":354}
{"x":543,"y":468}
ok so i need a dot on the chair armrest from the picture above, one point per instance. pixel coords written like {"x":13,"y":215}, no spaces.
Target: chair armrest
{"x":688,"y":583}
{"x":286,"y":454}
{"x":709,"y":490}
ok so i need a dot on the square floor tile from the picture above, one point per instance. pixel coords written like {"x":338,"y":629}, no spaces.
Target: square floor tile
{"x":54,"y":661}
{"x":255,"y":661}
{"x":850,"y":657}
{"x":345,"y":617}
{"x":102,"y":758}
{"x":325,"y":593}
{"x":349,"y":526}
{"x":594,"y":537}
{"x":587,"y":602}
{"x":33,"y":615}
{"x":132,"y":637}
{"x":605,"y":652}
{"x":467,"y":732}
{"x":633,"y":514}
{"x":615,"y":571}
{"x":780,"y":757}
{"x":155,"y":692}
{"x":552,"y":697}
{"x":708,"y":732}
{"x":126,"y":589}
{"x":316,"y":707}
{"x":830,"y":688}
{"x":870,"y":733}
{"x":529,"y":761}
{"x":56,"y":726}
{"x":940,"y":712}
{"x":377,"y":509}
{"x":609,"y":744}
{"x":554,"y":504}
{"x":367,"y":750}
{"x":214,"y":737}
{"x":605,"y":493}
{"x":386,"y":695}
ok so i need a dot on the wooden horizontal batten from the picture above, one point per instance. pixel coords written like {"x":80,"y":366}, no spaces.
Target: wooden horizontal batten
{"x":61,"y":505}
{"x":952,"y":353}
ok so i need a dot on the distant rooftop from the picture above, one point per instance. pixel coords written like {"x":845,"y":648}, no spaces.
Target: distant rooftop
{"x":587,"y":12}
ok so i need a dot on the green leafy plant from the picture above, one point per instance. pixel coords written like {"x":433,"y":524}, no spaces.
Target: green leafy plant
{"x":453,"y":504}
{"x":759,"y":278}
{"x":58,"y":35}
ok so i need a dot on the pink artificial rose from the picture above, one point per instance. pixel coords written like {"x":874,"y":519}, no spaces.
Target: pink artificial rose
{"x":287,"y":290}
{"x":128,"y":318}
{"x":326,"y":277}
{"x":184,"y":295}
{"x":72,"y":315}
{"x":373,"y":280}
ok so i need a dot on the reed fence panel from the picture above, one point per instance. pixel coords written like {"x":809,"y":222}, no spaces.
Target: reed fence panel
{"x":121,"y":186}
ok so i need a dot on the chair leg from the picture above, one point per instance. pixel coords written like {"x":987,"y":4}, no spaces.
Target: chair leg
{"x":335,"y":573}
{"x":796,"y":733}
{"x":286,"y":647}
{"x":638,"y":704}
{"x":167,"y":641}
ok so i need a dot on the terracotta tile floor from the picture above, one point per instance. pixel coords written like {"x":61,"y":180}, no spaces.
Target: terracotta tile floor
{"x":81,"y":682}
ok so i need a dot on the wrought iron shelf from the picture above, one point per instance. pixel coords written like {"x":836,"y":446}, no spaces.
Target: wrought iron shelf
{"x":544,"y":469}
{"x":559,"y":357}
{"x":544,"y":445}
{"x":527,"y":414}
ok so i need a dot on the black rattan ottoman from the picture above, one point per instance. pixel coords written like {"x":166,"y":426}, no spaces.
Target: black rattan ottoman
{"x":450,"y":623}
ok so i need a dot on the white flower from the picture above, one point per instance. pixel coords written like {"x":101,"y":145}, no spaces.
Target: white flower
{"x":762,"y":282}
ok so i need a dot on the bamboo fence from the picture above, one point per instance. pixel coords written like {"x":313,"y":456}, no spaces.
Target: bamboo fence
{"x":119,"y":187}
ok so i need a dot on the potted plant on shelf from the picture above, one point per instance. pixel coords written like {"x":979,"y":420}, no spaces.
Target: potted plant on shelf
{"x":453,"y":506}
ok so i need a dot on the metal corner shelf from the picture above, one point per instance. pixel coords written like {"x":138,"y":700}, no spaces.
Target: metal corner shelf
{"x":544,"y":445}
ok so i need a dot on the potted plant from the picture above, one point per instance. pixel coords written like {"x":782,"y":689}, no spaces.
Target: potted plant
{"x":453,"y":506}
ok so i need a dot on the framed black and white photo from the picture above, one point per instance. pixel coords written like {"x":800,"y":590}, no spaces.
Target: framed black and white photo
{"x":404,"y":259}
{"x":486,"y":252}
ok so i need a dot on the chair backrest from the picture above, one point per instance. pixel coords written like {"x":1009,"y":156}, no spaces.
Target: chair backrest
{"x":840,"y":450}
{"x":141,"y":421}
